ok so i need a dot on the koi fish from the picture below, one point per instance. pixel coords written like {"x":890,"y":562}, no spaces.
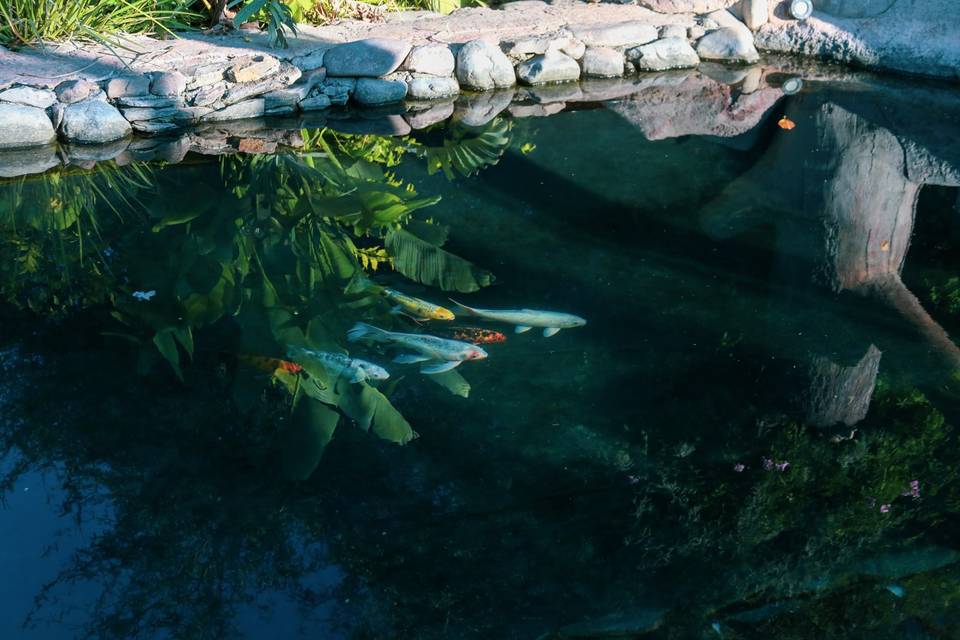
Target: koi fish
{"x":526,"y":319}
{"x":477,"y":335}
{"x":436,"y":354}
{"x":419,"y":309}
{"x":269,"y":365}
{"x":339,"y":364}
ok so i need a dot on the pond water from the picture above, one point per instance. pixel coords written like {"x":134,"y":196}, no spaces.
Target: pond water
{"x":752,"y":436}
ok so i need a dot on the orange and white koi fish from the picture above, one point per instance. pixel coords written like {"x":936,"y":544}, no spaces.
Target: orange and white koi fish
{"x":476,"y":335}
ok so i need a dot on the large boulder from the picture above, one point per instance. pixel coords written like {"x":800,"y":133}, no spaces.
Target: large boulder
{"x":24,"y":126}
{"x":369,"y":58}
{"x":728,"y":45}
{"x":93,"y":121}
{"x":70,"y":91}
{"x":432,"y":59}
{"x":428,"y":87}
{"x":666,"y":53}
{"x":602,"y":62}
{"x":482,"y":65}
{"x":552,"y":66}
{"x":687,"y":6}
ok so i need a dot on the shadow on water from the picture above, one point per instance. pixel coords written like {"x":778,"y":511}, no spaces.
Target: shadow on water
{"x":752,"y":436}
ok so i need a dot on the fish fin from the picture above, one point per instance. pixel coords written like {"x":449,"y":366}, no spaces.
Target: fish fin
{"x":440,"y":367}
{"x":410,"y":358}
{"x":551,"y":331}
{"x":470,"y":311}
{"x":363,"y":330}
{"x":358,"y":376}
{"x":522,"y":328}
{"x":397,"y":310}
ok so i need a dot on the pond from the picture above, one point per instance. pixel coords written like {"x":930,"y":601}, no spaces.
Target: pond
{"x":752,"y":435}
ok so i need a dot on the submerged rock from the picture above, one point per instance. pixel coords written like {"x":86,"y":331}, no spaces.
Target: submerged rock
{"x":602,"y":62}
{"x":550,"y":67}
{"x":24,"y":126}
{"x":28,"y":96}
{"x":667,"y":53}
{"x":93,"y":121}
{"x":371,"y":91}
{"x":482,"y":65}
{"x":432,"y":87}
{"x":729,"y":45}
{"x":432,"y":59}
{"x":371,"y":58}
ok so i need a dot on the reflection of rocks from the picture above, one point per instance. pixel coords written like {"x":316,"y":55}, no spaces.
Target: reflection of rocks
{"x":671,"y":105}
{"x":478,"y":109}
{"x":421,"y":119}
{"x":23,"y":162}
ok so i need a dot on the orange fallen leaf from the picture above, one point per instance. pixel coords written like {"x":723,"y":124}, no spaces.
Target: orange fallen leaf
{"x":786,"y":123}
{"x":885,"y":245}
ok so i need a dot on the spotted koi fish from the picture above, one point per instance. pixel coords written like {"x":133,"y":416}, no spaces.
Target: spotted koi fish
{"x":269,"y":365}
{"x":476,"y":335}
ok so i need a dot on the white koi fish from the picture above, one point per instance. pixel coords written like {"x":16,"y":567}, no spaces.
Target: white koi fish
{"x":526,"y":319}
{"x":339,"y":364}
{"x":436,"y":354}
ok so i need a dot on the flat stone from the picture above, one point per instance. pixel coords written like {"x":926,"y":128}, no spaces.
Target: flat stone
{"x":286,"y":75}
{"x":71,"y":91}
{"x":247,"y":109}
{"x":252,"y":69}
{"x":23,"y":126}
{"x":478,"y":109}
{"x":93,"y":121}
{"x":686,"y":6}
{"x":369,"y":58}
{"x":339,"y":90}
{"x":372,"y":91}
{"x":523,"y":48}
{"x":205,"y":75}
{"x":755,"y":13}
{"x":22,"y":162}
{"x":135,"y":85}
{"x":283,"y":98}
{"x":151,"y":102}
{"x":208,"y":95}
{"x":728,"y":45}
{"x":154,"y":127}
{"x":482,"y":65}
{"x":432,"y":87}
{"x":431,"y":116}
{"x":28,"y":96}
{"x":168,"y":83}
{"x":666,"y":53}
{"x":673,"y":31}
{"x":620,"y":34}
{"x":602,"y":62}
{"x":432,"y":59}
{"x":550,"y":67}
{"x":310,"y":61}
{"x":316,"y":103}
{"x":169,"y":114}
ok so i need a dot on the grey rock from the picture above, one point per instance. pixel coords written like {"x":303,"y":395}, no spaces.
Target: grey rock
{"x":729,"y":45}
{"x":151,"y":102}
{"x":310,"y":61}
{"x":286,"y":75}
{"x":339,"y":90}
{"x":316,"y":103}
{"x":547,"y":93}
{"x":71,"y":91}
{"x":93,"y":121}
{"x":22,"y":162}
{"x":208,"y":95}
{"x":696,"y":32}
{"x":602,"y":62}
{"x":482,"y":65}
{"x":755,"y":13}
{"x":138,"y":85}
{"x":550,"y":67}
{"x":667,"y":53}
{"x":432,"y":59}
{"x":252,"y":69}
{"x":524,"y":48}
{"x":29,"y":96}
{"x":372,"y":91}
{"x":686,"y":6}
{"x":305,"y":86}
{"x":168,"y":114}
{"x":247,"y":109}
{"x":282,"y":98}
{"x":372,"y":57}
{"x":205,"y":75}
{"x":432,"y":87}
{"x":23,"y":126}
{"x":478,"y":109}
{"x":427,"y":117}
{"x":55,"y":113}
{"x":155,"y":127}
{"x":673,"y":31}
{"x":168,"y":83}
{"x":620,"y":34}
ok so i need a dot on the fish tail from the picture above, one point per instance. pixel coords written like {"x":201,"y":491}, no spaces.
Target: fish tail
{"x":363,"y":330}
{"x":464,"y":309}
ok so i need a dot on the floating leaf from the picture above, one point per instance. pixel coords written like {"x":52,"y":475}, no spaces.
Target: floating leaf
{"x":168,"y":349}
{"x":786,"y":123}
{"x":305,"y":438}
{"x":453,"y":382}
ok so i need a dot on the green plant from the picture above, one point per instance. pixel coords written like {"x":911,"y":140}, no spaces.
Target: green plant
{"x":24,"y":22}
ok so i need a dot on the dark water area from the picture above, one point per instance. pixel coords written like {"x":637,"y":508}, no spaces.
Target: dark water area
{"x":752,"y":436}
